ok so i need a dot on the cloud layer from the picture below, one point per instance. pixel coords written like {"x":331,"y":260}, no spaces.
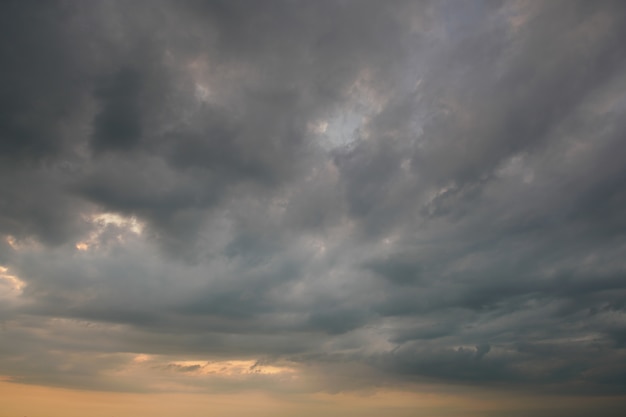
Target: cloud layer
{"x":370,"y":194}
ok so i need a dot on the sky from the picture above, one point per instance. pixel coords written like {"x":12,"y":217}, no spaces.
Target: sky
{"x":303,"y":208}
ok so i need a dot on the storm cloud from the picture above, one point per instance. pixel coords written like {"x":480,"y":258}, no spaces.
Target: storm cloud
{"x":369,"y":193}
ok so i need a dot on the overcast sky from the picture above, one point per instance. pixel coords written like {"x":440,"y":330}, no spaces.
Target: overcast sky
{"x":414,"y":208}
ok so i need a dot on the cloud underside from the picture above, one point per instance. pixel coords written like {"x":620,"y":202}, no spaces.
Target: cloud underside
{"x":372,"y":194}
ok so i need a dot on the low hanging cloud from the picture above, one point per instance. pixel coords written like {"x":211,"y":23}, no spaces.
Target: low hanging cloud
{"x":366,"y":193}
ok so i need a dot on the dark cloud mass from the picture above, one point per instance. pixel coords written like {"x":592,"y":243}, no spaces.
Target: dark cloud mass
{"x":413,"y":191}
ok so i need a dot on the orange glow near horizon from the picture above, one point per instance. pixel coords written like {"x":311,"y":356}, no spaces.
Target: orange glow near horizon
{"x":17,"y":400}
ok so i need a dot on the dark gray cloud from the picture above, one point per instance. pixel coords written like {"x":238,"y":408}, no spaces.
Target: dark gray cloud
{"x":118,"y":124}
{"x":419,"y":192}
